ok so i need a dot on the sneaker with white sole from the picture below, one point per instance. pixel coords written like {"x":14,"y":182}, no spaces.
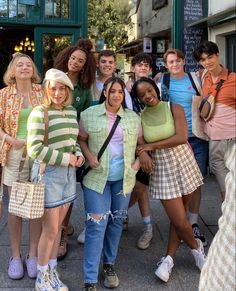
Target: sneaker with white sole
{"x":197,"y":234}
{"x":111,"y":280}
{"x":199,"y":254}
{"x":56,"y":282}
{"x":43,"y":282}
{"x":81,"y":237}
{"x":146,"y":237}
{"x":164,"y":268}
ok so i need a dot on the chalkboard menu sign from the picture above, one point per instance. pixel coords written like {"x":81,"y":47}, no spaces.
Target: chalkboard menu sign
{"x":192,"y":36}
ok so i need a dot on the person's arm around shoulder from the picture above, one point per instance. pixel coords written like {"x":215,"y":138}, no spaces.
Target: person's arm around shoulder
{"x":180,"y":136}
{"x":157,"y":77}
{"x":129,"y":85}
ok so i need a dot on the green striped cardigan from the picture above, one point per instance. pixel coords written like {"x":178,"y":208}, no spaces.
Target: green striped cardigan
{"x":63,"y":130}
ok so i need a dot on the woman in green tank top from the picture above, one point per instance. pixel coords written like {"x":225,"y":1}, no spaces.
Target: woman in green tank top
{"x":175,"y":174}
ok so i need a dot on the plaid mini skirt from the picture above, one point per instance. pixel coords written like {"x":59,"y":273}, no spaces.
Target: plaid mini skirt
{"x":175,"y":173}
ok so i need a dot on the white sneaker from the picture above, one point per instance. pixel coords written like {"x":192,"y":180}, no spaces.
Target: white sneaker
{"x":43,"y":282}
{"x":164,"y":268}
{"x":81,"y":237}
{"x":145,"y":239}
{"x":58,"y":285}
{"x":199,"y":254}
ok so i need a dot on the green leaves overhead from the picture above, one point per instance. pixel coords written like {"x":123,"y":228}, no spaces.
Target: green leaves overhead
{"x":107,"y":20}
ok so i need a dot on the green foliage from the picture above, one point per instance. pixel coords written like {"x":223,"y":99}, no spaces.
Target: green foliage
{"x":106,"y":20}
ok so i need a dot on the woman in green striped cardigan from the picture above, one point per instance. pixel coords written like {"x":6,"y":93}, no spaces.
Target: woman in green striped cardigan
{"x":62,"y":155}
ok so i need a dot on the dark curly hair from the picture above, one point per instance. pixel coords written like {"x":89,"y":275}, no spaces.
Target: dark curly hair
{"x":137,"y":104}
{"x":87,"y":75}
{"x":112,"y":81}
{"x":207,"y":47}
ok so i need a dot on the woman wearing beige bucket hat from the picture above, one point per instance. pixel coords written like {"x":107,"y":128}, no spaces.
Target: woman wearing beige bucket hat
{"x":61,"y":156}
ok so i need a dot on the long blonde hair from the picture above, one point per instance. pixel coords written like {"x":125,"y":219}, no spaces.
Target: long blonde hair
{"x":47,"y":100}
{"x":9,"y":76}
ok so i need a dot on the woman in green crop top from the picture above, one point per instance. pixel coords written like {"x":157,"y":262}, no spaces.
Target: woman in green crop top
{"x":175,"y":174}
{"x":21,"y":94}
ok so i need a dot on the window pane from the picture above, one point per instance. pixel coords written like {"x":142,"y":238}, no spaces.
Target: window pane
{"x":57,"y":8}
{"x":52,"y":45}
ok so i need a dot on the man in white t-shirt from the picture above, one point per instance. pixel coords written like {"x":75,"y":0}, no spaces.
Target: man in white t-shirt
{"x":106,"y":66}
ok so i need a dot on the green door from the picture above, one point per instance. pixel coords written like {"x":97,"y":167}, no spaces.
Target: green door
{"x":49,"y":42}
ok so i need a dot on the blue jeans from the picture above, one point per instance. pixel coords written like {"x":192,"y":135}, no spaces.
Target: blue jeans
{"x":104,"y":218}
{"x":200,"y":149}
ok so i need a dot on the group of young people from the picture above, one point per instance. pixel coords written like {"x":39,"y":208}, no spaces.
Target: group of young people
{"x":152,"y":151}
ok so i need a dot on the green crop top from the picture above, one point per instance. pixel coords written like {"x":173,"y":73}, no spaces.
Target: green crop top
{"x":23,"y":117}
{"x":157,"y":122}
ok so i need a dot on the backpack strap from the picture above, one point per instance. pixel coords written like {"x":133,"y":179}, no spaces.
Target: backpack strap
{"x":195,"y":83}
{"x":203,"y":76}
{"x":166,"y":80}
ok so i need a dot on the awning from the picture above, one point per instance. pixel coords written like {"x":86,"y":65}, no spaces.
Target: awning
{"x":216,"y":19}
{"x":131,"y":45}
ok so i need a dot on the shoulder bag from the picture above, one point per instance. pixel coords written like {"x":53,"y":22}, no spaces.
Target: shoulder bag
{"x":207,"y":105}
{"x":27,"y":198}
{"x":197,"y":123}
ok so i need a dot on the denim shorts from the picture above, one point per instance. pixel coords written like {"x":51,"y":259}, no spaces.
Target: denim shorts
{"x":60,"y":184}
{"x":200,"y":149}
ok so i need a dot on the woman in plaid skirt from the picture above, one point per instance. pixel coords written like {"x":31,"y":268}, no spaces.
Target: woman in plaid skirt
{"x":175,"y":174}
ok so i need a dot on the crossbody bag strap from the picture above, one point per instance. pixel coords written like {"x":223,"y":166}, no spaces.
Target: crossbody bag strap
{"x":195,"y":83}
{"x":217,"y":88}
{"x":45,"y":139}
{"x":105,"y":144}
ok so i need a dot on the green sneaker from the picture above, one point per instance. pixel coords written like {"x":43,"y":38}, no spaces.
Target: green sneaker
{"x":90,"y":287}
{"x":110,"y":278}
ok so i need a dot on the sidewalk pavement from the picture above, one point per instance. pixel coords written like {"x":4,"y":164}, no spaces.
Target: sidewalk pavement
{"x":134,"y":267}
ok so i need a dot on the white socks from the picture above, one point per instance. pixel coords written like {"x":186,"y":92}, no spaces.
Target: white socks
{"x":192,"y":217}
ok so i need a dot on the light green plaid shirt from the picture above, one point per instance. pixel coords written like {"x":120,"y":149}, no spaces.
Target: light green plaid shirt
{"x":95,"y":122}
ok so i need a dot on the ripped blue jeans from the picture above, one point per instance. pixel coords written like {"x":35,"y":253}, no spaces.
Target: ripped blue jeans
{"x":104,"y":218}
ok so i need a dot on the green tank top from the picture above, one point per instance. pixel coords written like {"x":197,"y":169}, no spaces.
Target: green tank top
{"x":157,"y":122}
{"x":22,"y":128}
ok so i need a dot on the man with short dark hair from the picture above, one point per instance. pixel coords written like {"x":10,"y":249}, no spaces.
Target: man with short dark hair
{"x":141,"y":66}
{"x":106,"y":65}
{"x":221,"y":128}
